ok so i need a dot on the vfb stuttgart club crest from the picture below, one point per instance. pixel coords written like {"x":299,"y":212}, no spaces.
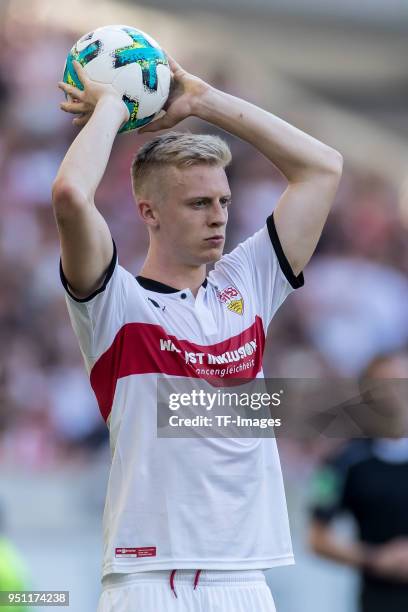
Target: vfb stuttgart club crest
{"x":231,"y":297}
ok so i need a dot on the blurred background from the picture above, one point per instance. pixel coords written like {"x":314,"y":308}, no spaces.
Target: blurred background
{"x":337,"y":70}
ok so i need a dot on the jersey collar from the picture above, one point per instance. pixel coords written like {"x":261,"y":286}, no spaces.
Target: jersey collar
{"x":153,"y":285}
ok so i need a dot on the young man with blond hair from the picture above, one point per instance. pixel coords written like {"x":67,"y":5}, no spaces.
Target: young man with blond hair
{"x":189,"y":523}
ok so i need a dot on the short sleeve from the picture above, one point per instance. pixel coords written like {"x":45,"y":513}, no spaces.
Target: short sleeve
{"x":259,"y":264}
{"x":328,"y":492}
{"x":97,"y":318}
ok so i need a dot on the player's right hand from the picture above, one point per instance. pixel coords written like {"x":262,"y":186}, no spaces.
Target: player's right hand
{"x":83,"y":102}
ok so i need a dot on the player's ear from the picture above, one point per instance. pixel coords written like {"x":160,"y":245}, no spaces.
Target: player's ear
{"x":148,"y":212}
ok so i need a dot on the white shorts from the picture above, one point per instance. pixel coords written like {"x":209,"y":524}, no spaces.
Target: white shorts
{"x":166,"y":591}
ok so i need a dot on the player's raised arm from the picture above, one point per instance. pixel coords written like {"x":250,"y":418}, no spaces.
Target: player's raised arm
{"x":86,"y":243}
{"x":313,"y":169}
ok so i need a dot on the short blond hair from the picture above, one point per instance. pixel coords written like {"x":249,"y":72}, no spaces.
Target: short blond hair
{"x":176,"y":149}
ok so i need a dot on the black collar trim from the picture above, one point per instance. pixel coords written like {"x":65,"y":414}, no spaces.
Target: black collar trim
{"x":153,"y":285}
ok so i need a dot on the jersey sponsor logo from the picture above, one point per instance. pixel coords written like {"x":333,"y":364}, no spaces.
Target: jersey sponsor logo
{"x":227,"y":357}
{"x":168,"y":345}
{"x":146,"y":348}
{"x":144,"y":551}
{"x":231,"y":297}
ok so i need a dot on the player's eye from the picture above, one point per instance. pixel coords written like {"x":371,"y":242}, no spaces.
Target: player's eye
{"x":225,"y":202}
{"x":200,"y":204}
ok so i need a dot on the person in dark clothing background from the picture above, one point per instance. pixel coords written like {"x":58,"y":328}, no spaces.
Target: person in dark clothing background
{"x":368,"y":479}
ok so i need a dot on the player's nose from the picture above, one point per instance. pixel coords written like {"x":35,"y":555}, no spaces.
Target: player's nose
{"x":217,"y":214}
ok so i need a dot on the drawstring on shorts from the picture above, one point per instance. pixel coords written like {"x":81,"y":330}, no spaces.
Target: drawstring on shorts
{"x":172,"y":582}
{"x":173,"y":573}
{"x":197,"y":576}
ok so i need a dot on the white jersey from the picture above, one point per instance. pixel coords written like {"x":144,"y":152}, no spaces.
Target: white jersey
{"x":186,"y":503}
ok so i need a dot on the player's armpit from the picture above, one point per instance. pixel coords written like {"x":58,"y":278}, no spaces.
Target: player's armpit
{"x":86,"y":243}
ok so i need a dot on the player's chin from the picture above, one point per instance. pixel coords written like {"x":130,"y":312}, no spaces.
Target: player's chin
{"x":212,"y":254}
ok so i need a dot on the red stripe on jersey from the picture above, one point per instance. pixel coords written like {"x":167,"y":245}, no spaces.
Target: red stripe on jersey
{"x":145,"y":348}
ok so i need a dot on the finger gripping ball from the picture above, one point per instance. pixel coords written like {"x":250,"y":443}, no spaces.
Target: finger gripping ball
{"x":132,"y":62}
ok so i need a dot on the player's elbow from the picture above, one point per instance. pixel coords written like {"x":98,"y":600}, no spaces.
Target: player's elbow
{"x":324,"y":168}
{"x":325,"y":172}
{"x":66,"y":199}
{"x":332,"y":163}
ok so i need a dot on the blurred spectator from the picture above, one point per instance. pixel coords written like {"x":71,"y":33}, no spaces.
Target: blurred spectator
{"x":352,"y":309}
{"x":368,"y":480}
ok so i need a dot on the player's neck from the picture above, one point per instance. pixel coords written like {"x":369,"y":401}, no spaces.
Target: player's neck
{"x":173,"y":273}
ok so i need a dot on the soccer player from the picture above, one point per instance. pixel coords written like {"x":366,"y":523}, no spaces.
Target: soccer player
{"x":189,"y":523}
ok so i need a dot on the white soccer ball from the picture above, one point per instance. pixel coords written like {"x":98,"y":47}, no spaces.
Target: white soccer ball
{"x":130,"y":60}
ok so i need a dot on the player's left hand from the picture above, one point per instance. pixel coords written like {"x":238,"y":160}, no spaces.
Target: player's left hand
{"x":185,"y":91}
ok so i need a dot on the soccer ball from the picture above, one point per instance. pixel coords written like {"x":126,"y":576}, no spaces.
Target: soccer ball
{"x":132,"y":62}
